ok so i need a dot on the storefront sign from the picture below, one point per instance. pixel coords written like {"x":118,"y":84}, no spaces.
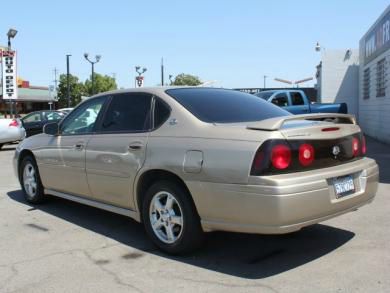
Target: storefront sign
{"x":378,"y":40}
{"x":9,"y":82}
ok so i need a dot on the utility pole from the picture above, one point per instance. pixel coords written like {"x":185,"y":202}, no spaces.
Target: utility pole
{"x":162,"y":72}
{"x":265,"y":77}
{"x":55,"y":84}
{"x":67,"y":80}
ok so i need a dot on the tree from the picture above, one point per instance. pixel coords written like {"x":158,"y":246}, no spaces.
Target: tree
{"x":102,"y":83}
{"x":186,"y":79}
{"x":77,"y":89}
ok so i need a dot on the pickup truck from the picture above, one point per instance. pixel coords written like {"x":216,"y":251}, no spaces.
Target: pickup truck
{"x":296,"y":102}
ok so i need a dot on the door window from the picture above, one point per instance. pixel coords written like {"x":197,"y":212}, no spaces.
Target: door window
{"x":297,"y":99}
{"x":161,"y":113}
{"x":53,"y":116}
{"x":34,"y":117}
{"x":280,"y":100}
{"x":83,"y":118}
{"x":128,"y":113}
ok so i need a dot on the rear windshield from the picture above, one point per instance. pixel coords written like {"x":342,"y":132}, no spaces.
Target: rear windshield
{"x":225,"y":106}
{"x":265,"y":95}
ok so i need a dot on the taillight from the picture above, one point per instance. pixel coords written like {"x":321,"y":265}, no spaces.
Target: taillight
{"x":364,"y":146}
{"x":14,"y":123}
{"x":355,"y":147}
{"x":281,"y":156}
{"x":306,"y":154}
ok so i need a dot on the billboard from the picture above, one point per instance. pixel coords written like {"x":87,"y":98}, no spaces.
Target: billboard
{"x":378,"y":40}
{"x":9,"y":81}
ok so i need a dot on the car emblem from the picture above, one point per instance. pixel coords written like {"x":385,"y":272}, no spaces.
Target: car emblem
{"x":335,"y":150}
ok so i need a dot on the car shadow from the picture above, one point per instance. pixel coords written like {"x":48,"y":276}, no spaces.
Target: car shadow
{"x":243,"y":255}
{"x":8,"y":148}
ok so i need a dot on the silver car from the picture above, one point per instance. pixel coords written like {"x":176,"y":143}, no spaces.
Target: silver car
{"x":190,"y":160}
{"x":11,"y":130}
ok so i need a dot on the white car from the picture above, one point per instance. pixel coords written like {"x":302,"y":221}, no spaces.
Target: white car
{"x":11,"y":130}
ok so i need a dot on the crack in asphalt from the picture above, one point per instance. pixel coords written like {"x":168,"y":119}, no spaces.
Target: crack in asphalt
{"x":100,"y":264}
{"x":228,"y":285}
{"x":117,"y":279}
{"x":14,"y":273}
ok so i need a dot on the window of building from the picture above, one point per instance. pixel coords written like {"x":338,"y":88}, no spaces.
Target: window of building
{"x":366,"y":83}
{"x":380,"y":78}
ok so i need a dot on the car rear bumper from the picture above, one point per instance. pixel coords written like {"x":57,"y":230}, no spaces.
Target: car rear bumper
{"x":12,"y":134}
{"x":283,"y":203}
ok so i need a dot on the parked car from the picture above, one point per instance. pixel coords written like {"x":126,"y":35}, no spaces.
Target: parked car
{"x":34,"y":122}
{"x":11,"y":130}
{"x":296,"y":102}
{"x":188,"y":160}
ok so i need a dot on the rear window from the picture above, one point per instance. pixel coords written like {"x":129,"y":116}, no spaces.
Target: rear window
{"x":225,"y":106}
{"x":265,"y":95}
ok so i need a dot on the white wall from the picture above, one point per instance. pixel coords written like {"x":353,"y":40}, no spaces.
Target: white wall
{"x":339,"y":78}
{"x":374,"y":113}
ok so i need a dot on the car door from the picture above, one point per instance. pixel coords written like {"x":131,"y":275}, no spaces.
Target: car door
{"x":63,"y":159}
{"x":116,"y":152}
{"x":297,"y":103}
{"x":32,"y":123}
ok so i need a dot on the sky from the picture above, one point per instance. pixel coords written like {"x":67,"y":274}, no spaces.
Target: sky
{"x":233,"y":43}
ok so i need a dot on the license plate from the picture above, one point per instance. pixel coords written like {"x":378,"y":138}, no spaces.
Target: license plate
{"x":343,"y":185}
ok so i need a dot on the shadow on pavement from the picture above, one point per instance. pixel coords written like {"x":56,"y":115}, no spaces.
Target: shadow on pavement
{"x":8,"y":148}
{"x":242,"y":255}
{"x":381,"y":153}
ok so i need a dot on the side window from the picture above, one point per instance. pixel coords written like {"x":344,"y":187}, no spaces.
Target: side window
{"x":280,"y":100}
{"x":128,"y":112}
{"x":53,"y":116}
{"x":34,"y":117}
{"x":297,"y":99}
{"x":83,"y":118}
{"x":161,"y":112}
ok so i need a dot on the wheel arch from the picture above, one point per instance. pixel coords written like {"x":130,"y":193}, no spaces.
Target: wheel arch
{"x":149,"y":177}
{"x":24,"y":153}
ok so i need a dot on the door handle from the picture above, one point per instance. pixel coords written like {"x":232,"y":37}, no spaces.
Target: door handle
{"x":79,"y":146}
{"x":135,"y":145}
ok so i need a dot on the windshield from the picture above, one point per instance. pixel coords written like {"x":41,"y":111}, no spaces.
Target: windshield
{"x":225,"y":106}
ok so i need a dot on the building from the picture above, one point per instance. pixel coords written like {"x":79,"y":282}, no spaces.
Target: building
{"x":30,"y":98}
{"x":374,"y":73}
{"x":338,"y":77}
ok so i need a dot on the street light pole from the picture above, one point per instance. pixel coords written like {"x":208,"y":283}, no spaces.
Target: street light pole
{"x":139,"y":78}
{"x":97,"y":59}
{"x":11,"y":34}
{"x":162,"y":72}
{"x":68,"y":80}
{"x":265,"y":77}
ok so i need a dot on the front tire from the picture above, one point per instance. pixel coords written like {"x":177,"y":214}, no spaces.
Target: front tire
{"x":31,"y":181}
{"x":170,"y":218}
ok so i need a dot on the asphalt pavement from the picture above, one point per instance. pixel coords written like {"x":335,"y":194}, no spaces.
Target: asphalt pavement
{"x":61,"y":246}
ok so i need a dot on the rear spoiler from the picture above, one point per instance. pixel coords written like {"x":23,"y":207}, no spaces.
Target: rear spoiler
{"x":276,"y":123}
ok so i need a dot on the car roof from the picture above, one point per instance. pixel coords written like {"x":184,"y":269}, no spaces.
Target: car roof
{"x":152,"y":90}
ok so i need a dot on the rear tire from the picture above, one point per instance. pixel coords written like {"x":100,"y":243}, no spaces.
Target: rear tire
{"x":30,"y":180}
{"x":1,"y":145}
{"x":170,"y":218}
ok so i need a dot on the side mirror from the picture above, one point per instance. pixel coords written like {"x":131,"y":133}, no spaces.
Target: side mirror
{"x":51,"y":128}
